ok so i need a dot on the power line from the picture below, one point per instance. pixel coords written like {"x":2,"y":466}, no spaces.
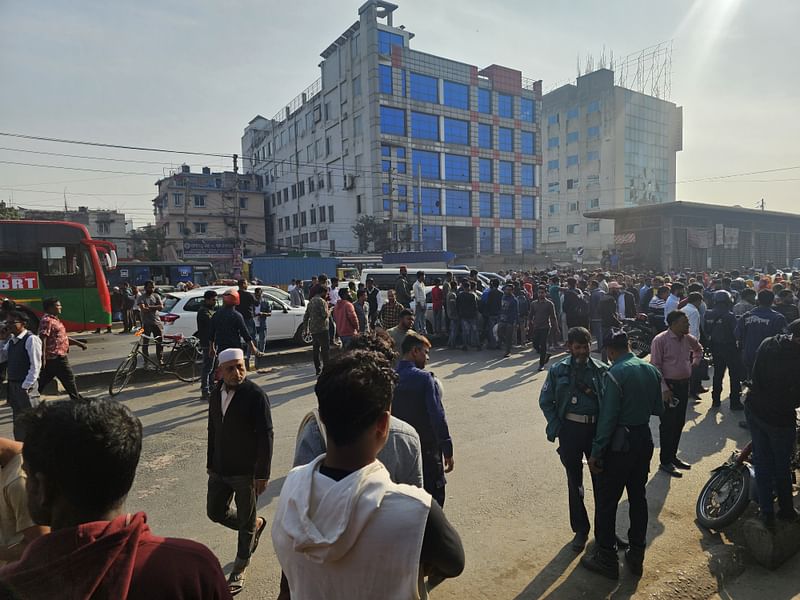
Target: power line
{"x":11,"y":189}
{"x":21,"y":164}
{"x":124,"y":160}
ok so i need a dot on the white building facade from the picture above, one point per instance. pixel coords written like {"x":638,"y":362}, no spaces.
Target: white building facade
{"x":604,"y":147}
{"x":441,"y":154}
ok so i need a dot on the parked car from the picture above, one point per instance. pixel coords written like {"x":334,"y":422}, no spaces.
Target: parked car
{"x":180,"y":315}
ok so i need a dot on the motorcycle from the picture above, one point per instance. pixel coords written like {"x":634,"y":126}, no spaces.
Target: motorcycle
{"x":731,"y":488}
{"x":640,"y":335}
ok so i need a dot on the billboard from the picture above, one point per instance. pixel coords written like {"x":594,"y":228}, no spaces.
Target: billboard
{"x":222,"y":247}
{"x":28,"y":280}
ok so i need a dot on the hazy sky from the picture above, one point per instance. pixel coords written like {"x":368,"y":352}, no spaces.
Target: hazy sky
{"x":190,"y":75}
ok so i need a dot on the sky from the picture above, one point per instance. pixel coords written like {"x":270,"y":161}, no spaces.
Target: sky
{"x":188,"y":76}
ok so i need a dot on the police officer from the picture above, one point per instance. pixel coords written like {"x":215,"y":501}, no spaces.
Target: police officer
{"x":721,"y":330}
{"x":621,"y":453}
{"x":569,"y":401}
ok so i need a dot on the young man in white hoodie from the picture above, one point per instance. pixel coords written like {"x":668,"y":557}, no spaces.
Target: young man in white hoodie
{"x":343,"y":529}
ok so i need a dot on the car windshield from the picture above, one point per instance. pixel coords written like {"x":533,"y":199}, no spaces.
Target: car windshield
{"x":169,"y":303}
{"x":277,"y":292}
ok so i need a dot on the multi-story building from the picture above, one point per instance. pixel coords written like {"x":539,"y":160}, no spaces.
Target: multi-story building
{"x":109,"y":225}
{"x":217,"y":217}
{"x":604,"y":147}
{"x":432,"y":153}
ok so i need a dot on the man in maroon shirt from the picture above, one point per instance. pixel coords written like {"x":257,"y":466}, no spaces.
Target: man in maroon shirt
{"x":80,"y":460}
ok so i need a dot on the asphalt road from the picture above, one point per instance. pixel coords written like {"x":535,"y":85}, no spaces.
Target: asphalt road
{"x":507,"y":495}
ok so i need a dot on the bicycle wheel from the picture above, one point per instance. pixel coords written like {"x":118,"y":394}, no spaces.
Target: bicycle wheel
{"x":123,"y":374}
{"x":186,"y":363}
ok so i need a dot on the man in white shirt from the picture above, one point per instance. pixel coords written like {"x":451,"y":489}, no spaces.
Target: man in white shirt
{"x":674,"y":298}
{"x":693,"y":310}
{"x":23,"y":352}
{"x":420,"y":303}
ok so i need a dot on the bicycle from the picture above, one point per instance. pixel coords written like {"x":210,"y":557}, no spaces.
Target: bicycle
{"x":184,"y":359}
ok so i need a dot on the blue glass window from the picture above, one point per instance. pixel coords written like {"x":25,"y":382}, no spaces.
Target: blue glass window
{"x":456,"y":95}
{"x":485,"y":204}
{"x":572,"y":160}
{"x":403,"y":83}
{"x":393,"y":121}
{"x":526,"y":175}
{"x":386,"y":189}
{"x":507,"y":240}
{"x":593,"y":132}
{"x":386,"y":166}
{"x":572,"y":137}
{"x":431,"y":238}
{"x":552,"y":119}
{"x":456,"y":131}
{"x":485,"y":170}
{"x":456,"y":168}
{"x":402,"y":190}
{"x":505,"y":139}
{"x":402,"y":206}
{"x":401,"y":152}
{"x":593,"y":107}
{"x":484,"y":135}
{"x":457,"y":203}
{"x":527,"y":142}
{"x":386,"y":40}
{"x":592,"y":155}
{"x":552,"y":164}
{"x":401,"y":167}
{"x":484,"y":101}
{"x":572,"y":113}
{"x":424,"y":88}
{"x":430,"y":201}
{"x":505,"y":105}
{"x":553,"y":142}
{"x":528,"y":240}
{"x":528,"y":207}
{"x":424,"y":126}
{"x":487,"y":240}
{"x":505,"y":172}
{"x":386,"y":150}
{"x":385,"y":72}
{"x":425,"y":164}
{"x":526,"y":111}
{"x":387,"y":204}
{"x":506,"y":206}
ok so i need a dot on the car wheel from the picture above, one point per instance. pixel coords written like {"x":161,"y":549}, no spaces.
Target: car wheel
{"x":302,"y":337}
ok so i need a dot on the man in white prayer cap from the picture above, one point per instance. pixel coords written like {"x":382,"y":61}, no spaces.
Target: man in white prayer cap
{"x":239,"y":457}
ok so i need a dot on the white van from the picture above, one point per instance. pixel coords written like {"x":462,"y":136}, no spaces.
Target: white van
{"x":385,"y":280}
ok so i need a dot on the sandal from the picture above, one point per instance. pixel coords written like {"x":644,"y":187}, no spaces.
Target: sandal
{"x":257,"y":535}
{"x":236,"y":582}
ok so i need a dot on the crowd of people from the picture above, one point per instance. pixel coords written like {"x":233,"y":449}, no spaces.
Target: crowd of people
{"x":362,"y":513}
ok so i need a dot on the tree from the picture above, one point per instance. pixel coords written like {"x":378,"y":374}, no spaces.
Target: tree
{"x":9,"y":213}
{"x":148,"y":242}
{"x":371,"y":230}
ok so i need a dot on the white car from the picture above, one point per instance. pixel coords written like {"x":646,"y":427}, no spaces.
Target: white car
{"x":180,"y":315}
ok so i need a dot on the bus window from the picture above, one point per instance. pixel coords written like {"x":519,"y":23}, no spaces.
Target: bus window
{"x":61,"y":267}
{"x":89,"y":280}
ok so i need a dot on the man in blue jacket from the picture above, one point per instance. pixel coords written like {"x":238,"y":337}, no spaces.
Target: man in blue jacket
{"x":509,"y":316}
{"x":570,"y":400}
{"x":756,"y":326}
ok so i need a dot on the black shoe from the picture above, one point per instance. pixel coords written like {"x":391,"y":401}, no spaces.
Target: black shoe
{"x":736,"y":405}
{"x":507,"y":354}
{"x":678,"y":463}
{"x":602,"y":561}
{"x":634,"y":558}
{"x":541,"y":368}
{"x":670,"y":470}
{"x":578,"y":543}
{"x":547,"y":358}
{"x":715,"y":403}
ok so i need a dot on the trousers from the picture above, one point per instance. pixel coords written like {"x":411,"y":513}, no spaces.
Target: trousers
{"x":207,"y":375}
{"x":20,"y":400}
{"x":58,"y":368}
{"x":624,"y":471}
{"x":727,"y":359}
{"x":505,"y":332}
{"x":673,"y":421}
{"x":575,"y":443}
{"x":322,"y":348}
{"x":241,"y":490}
{"x":772,"y":460}
{"x":540,"y":337}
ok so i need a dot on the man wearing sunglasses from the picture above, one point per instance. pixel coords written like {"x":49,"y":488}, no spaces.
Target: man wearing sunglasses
{"x":23,"y":351}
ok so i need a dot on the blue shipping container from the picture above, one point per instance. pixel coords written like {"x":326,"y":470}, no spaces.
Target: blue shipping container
{"x":280,"y":270}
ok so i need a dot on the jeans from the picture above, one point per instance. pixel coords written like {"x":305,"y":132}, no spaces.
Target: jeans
{"x":251,"y":329}
{"x":207,"y":375}
{"x":727,"y":358}
{"x":20,"y":400}
{"x":505,"y":332}
{"x":346,"y":339}
{"x":322,"y":346}
{"x":154,"y":330}
{"x":240,"y":489}
{"x":491,"y":321}
{"x":673,"y":421}
{"x":575,"y":443}
{"x":469,"y":333}
{"x":624,"y":471}
{"x":419,"y":319}
{"x":261,"y":332}
{"x":455,"y":332}
{"x":438,"y":318}
{"x":58,"y":367}
{"x":772,"y":459}
{"x":540,"y":344}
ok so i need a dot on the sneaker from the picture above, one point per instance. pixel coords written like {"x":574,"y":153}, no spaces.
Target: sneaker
{"x":602,"y":561}
{"x":578,"y":542}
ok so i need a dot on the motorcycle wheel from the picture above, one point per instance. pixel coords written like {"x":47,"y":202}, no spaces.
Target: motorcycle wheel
{"x":640,"y":345}
{"x":724,"y":497}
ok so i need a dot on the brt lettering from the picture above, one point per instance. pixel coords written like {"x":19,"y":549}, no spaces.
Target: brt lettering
{"x":19,"y":281}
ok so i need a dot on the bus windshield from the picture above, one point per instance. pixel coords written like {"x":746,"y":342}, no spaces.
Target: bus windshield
{"x":39,"y":259}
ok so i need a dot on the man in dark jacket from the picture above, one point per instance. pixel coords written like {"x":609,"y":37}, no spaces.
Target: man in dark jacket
{"x":771,"y":414}
{"x":228,"y":328}
{"x":721,"y":330}
{"x":239,"y":457}
{"x":402,"y":288}
{"x":786,"y":306}
{"x":204,"y":316}
{"x":491,"y":312}
{"x":248,"y":307}
{"x":467,"y":309}
{"x":576,"y":307}
{"x":756,"y":326}
{"x":509,"y":315}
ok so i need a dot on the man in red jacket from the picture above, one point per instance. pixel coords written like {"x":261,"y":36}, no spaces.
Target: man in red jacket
{"x":80,"y":458}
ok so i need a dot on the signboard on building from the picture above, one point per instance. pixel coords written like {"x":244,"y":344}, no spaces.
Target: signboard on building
{"x":208,"y":248}
{"x":620,"y":239}
{"x":28,"y":280}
